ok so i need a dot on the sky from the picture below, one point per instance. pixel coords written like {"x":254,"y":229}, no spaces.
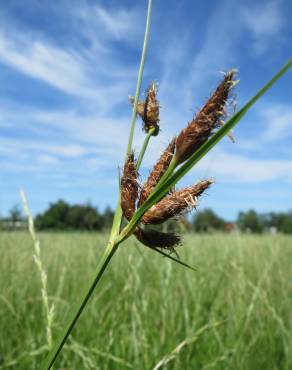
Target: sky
{"x":68,"y":67}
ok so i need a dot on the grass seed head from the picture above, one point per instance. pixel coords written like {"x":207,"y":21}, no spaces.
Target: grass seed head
{"x":176,"y":203}
{"x":129,"y":187}
{"x":156,"y":239}
{"x":207,"y":119}
{"x":157,"y":172}
{"x":148,"y":110}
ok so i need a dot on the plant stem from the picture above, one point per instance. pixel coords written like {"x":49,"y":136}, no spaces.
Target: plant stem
{"x":144,"y":147}
{"x":79,"y":307}
{"x":118,"y":212}
{"x":168,"y":172}
{"x":113,"y":244}
{"x":140,"y":75}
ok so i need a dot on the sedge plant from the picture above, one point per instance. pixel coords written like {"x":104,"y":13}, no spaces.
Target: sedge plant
{"x":156,"y":201}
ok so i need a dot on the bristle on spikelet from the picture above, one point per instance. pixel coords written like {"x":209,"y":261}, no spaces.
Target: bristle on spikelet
{"x":157,"y":172}
{"x":175,"y":204}
{"x":129,"y":187}
{"x":148,"y":110}
{"x":205,"y":121}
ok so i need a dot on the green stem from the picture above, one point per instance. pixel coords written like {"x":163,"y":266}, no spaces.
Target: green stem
{"x":79,"y":307}
{"x":144,"y":147}
{"x":118,"y":213}
{"x":113,"y":244}
{"x":168,"y":172}
{"x":140,"y":75}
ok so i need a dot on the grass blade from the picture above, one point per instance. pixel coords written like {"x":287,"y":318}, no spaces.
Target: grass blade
{"x":77,"y":310}
{"x":173,"y":258}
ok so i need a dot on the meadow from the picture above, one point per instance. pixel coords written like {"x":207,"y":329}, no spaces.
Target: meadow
{"x":234,"y":312}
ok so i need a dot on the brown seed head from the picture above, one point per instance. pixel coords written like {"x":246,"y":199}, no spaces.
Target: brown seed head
{"x":206,"y":120}
{"x":157,"y":172}
{"x":156,"y":239}
{"x":148,"y":110}
{"x":175,"y":203}
{"x":129,"y":187}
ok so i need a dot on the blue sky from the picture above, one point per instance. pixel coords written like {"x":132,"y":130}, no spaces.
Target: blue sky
{"x":67,"y":68}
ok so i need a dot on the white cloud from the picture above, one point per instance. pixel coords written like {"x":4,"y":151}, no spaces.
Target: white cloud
{"x":229,"y":168}
{"x":85,"y":70}
{"x":265,"y":22}
{"x":119,"y":23}
{"x":61,"y":69}
{"x":278,"y":119}
{"x":99,"y":23}
{"x":192,"y":68}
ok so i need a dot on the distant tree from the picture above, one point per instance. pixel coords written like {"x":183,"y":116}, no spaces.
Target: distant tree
{"x":15,"y":214}
{"x":92,"y":220}
{"x":56,"y":217}
{"x":250,"y":221}
{"x":286,"y":226}
{"x":62,"y":216}
{"x":281,"y":221}
{"x":207,"y":220}
{"x":107,"y":218}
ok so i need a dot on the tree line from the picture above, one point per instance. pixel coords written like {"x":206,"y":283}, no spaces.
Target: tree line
{"x":248,"y":222}
{"x":64,"y":216}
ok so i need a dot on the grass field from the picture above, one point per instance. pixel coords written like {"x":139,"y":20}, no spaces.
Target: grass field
{"x":149,"y":312}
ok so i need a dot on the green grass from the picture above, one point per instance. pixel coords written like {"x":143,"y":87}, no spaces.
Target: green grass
{"x":233,"y":313}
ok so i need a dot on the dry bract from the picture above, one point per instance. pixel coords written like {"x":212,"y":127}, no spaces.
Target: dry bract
{"x":129,"y":187}
{"x":148,"y":110}
{"x":174,"y":204}
{"x":207,"y":119}
{"x":158,"y":171}
{"x":153,"y":238}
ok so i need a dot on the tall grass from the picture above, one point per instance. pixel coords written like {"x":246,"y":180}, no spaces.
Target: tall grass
{"x":233,"y":313}
{"x":48,"y":309}
{"x":191,"y":145}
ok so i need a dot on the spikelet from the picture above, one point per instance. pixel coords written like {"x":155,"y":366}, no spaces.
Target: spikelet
{"x":175,"y":203}
{"x":129,"y":187}
{"x":148,"y":110}
{"x":156,"y":239}
{"x":206,"y":120}
{"x":157,"y":172}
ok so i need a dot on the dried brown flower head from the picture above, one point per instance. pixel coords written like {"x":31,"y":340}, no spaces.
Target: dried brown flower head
{"x":207,"y":119}
{"x":148,"y":110}
{"x":175,"y":203}
{"x":129,"y":187}
{"x":156,"y":239}
{"x":157,"y":172}
{"x":182,"y":147}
